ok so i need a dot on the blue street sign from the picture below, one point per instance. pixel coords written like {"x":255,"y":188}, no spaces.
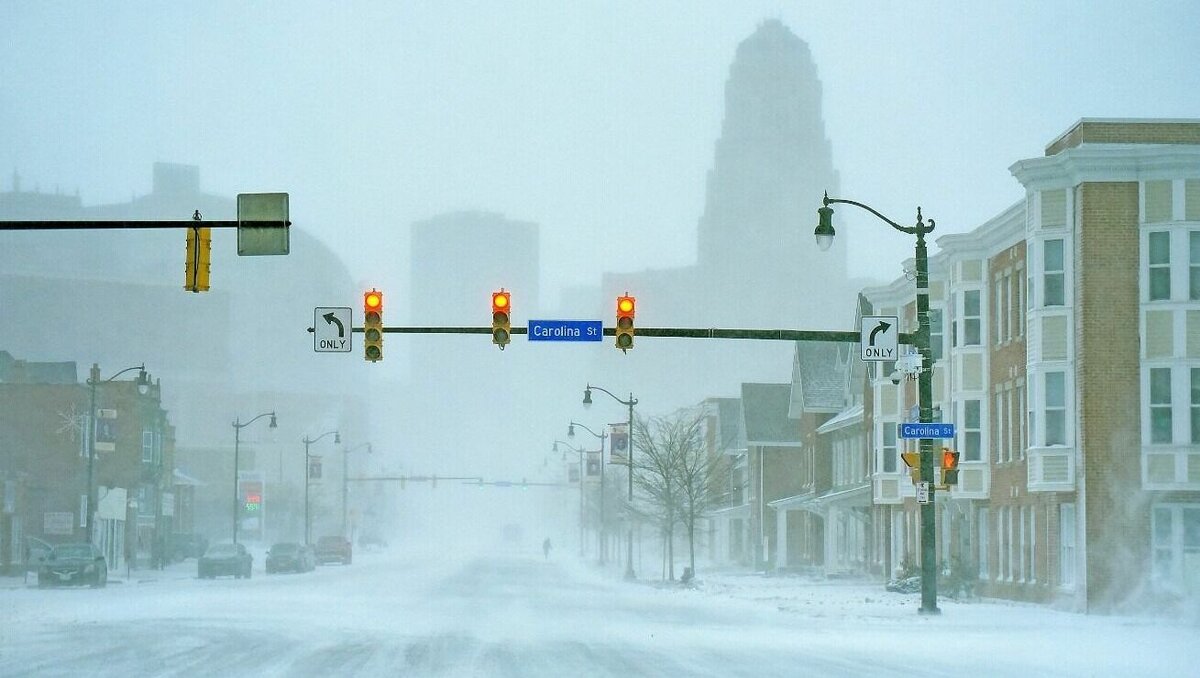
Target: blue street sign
{"x":566,"y":330}
{"x":942,"y":431}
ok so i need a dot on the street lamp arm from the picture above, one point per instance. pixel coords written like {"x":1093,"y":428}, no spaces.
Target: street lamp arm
{"x":576,"y":450}
{"x":919,"y":228}
{"x":601,"y":436}
{"x":356,"y":448}
{"x":307,"y":441}
{"x":264,"y":414}
{"x":627,"y":403}
{"x":141,"y":367}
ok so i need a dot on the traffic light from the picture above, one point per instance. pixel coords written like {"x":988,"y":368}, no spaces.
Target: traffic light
{"x":501,"y":318}
{"x":913,"y":461}
{"x":196,"y":265}
{"x":373,"y":325}
{"x":949,"y":466}
{"x":626,"y":306}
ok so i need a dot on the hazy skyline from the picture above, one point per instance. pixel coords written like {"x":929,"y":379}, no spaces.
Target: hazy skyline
{"x":594,"y":120}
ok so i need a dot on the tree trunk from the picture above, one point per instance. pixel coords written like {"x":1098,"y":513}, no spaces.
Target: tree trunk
{"x":671,"y":552}
{"x":691,"y":528}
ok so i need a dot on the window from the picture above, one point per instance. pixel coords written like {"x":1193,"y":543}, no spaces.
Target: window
{"x":1160,"y":265}
{"x":1031,"y":423}
{"x":147,"y":447}
{"x":971,"y":319}
{"x":971,"y":431}
{"x":1194,"y":265}
{"x":983,"y":542}
{"x":1002,"y":310}
{"x":1066,"y":545}
{"x":1018,"y":311}
{"x":1160,"y":405}
{"x":998,"y":439}
{"x":1014,"y":413}
{"x":1056,"y":408}
{"x":1195,"y":406}
{"x":936,"y":333}
{"x":1023,"y":541}
{"x":889,"y":446}
{"x":1052,"y":273}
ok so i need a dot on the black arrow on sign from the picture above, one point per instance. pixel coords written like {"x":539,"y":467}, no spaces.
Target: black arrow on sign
{"x":332,"y":320}
{"x":881,"y":327}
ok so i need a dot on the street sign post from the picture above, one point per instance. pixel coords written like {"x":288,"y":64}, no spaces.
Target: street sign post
{"x":566,"y":330}
{"x":332,"y":329}
{"x":879,"y":337}
{"x":931,"y":431}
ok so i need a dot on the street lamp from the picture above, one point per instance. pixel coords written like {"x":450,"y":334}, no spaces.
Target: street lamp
{"x":237,"y":439}
{"x":337,"y":438}
{"x":824,"y":234}
{"x":579,"y":451}
{"x":602,"y":436}
{"x":345,"y":453}
{"x":143,"y":386}
{"x":587,"y":401}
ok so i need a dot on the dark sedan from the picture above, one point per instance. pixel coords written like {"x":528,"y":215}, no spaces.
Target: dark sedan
{"x":289,"y":557}
{"x":221,"y":559}
{"x":73,"y":564}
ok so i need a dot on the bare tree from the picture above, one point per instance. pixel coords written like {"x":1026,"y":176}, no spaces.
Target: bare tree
{"x":696,"y":472}
{"x":654,"y":474}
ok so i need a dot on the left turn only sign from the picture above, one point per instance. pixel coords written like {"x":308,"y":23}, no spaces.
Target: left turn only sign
{"x":332,"y":330}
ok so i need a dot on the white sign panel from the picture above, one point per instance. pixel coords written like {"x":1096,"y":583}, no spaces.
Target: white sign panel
{"x":332,"y":331}
{"x":879,"y":337}
{"x":57,"y":522}
{"x":923,"y":492}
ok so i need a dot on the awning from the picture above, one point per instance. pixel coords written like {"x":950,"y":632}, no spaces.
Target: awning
{"x":847,"y":417}
{"x":855,"y":496}
{"x":735,"y":511}
{"x":181,"y":478}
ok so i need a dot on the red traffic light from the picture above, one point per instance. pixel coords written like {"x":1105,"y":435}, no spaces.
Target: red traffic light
{"x":626,"y":306}
{"x":501,"y":302}
{"x":373,"y":300}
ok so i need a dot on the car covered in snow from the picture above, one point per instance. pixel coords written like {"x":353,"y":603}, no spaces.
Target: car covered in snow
{"x":334,"y":549}
{"x":290,"y":557}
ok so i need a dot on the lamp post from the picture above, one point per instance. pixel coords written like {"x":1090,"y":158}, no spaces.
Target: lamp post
{"x":143,"y":386}
{"x":346,"y":453}
{"x":824,"y":234}
{"x":587,"y":400}
{"x":579,"y":451}
{"x":237,"y":439}
{"x":602,"y":436}
{"x":337,"y":438}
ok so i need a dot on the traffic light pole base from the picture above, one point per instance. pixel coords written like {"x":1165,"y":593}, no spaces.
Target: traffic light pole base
{"x":629,"y":575}
{"x":929,"y":610}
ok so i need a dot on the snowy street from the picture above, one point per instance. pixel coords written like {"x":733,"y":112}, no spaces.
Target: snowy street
{"x":519,"y":616}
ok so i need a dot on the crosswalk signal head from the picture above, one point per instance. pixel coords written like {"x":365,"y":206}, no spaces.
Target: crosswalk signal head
{"x":949,"y":466}
{"x":501,"y":314}
{"x":626,"y":307}
{"x":373,"y":325}
{"x":913,"y":461}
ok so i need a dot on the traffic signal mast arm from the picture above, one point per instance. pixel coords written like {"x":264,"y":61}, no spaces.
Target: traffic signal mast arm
{"x":676,"y":332}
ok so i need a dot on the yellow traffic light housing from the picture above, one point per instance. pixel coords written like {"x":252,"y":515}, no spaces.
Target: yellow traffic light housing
{"x":501,"y":318}
{"x":373,"y":325}
{"x":626,"y":307}
{"x":949,"y":466}
{"x":913,"y":461}
{"x":197,"y":263}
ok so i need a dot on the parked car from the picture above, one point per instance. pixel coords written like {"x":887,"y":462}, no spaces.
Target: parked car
{"x":334,"y":549}
{"x":74,"y":564}
{"x":186,"y":545}
{"x":290,"y":557}
{"x":222,"y":559}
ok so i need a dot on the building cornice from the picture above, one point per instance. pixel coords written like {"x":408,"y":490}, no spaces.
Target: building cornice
{"x":1107,"y":162}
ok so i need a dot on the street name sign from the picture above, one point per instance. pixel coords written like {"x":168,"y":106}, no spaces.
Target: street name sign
{"x":879,"y":337}
{"x":263,"y":220}
{"x":566,"y":330}
{"x":332,"y":331}
{"x":910,"y":431}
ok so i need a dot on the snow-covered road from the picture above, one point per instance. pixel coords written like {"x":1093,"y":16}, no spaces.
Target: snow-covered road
{"x":518,"y":616}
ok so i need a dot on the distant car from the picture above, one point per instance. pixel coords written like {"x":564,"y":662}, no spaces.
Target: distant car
{"x":74,"y":564}
{"x":334,"y":549}
{"x":186,"y":545}
{"x":290,"y":557}
{"x":222,"y":559}
{"x":372,"y":542}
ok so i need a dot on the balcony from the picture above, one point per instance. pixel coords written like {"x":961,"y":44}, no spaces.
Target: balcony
{"x":1051,"y":469}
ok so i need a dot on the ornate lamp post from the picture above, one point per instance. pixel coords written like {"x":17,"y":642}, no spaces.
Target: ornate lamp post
{"x":143,"y":386}
{"x":824,"y":234}
{"x":587,"y":401}
{"x":601,"y":436}
{"x":337,"y":438}
{"x":237,"y":439}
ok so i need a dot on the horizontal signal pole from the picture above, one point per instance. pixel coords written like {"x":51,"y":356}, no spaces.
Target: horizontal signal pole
{"x":673,"y":332}
{"x":119,"y":225}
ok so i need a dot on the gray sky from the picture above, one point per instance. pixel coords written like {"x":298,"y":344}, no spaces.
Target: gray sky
{"x":595,"y":119}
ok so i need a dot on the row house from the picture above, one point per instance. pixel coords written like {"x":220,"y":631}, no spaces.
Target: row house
{"x":45,"y":422}
{"x":1066,"y":342}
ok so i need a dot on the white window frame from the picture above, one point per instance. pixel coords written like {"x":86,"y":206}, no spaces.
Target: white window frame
{"x":1066,"y":545}
{"x":1193,"y":265}
{"x":1058,"y":409}
{"x":1160,"y":406}
{"x":984,"y":528}
{"x":968,"y":431}
{"x":977,"y":318}
{"x":1160,"y":267}
{"x":1059,"y":273}
{"x":147,"y":447}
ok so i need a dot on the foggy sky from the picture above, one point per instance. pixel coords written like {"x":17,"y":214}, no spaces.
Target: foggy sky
{"x":595,"y":120}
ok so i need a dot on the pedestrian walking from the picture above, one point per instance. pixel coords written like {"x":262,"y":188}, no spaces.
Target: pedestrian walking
{"x":546,"y":548}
